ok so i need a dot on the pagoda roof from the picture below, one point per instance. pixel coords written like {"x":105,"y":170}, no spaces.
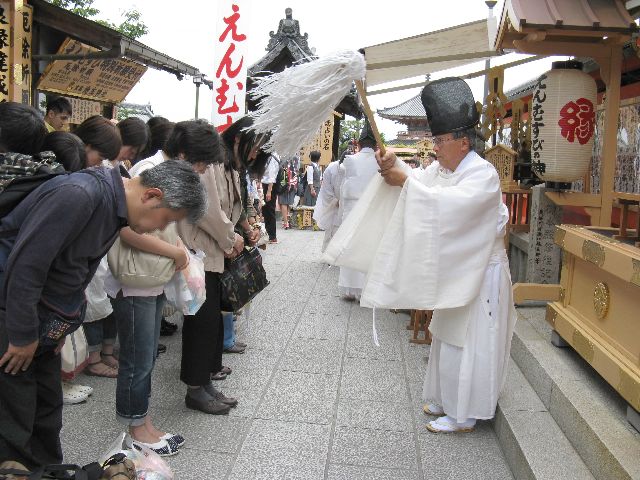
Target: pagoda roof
{"x":411,"y":108}
{"x":286,"y":47}
{"x":289,"y":47}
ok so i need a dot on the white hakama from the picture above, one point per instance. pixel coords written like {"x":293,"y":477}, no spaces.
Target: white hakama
{"x":466,"y":381}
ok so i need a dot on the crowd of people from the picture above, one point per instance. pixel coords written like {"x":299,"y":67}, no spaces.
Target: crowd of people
{"x":425,"y":238}
{"x":160,"y":187}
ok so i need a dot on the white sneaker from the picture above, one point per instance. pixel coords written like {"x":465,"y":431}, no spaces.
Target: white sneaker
{"x":448,"y":424}
{"x":81,"y":388}
{"x":72,"y":395}
{"x":433,"y":409}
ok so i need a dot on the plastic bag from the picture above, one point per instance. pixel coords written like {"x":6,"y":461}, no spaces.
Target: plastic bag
{"x":186,"y":290}
{"x":149,"y":465}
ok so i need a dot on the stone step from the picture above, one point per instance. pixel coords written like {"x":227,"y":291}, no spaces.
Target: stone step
{"x":589,"y":411}
{"x":532,"y":443}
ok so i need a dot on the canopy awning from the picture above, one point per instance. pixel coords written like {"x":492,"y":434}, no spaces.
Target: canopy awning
{"x":112,"y":43}
{"x":586,"y":21}
{"x":427,"y":53}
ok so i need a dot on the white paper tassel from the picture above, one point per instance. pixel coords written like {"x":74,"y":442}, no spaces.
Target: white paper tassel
{"x":293,"y":104}
{"x":375,"y":330}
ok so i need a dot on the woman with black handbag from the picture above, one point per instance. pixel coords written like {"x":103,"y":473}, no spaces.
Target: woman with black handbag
{"x":202,"y":333}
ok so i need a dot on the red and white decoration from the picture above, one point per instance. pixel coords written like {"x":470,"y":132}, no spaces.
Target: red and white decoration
{"x":563,"y":118}
{"x":230,"y":64}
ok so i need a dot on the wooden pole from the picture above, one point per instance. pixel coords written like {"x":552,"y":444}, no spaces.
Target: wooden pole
{"x":612,"y":67}
{"x":369,"y":114}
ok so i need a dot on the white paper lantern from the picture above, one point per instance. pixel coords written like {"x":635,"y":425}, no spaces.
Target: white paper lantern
{"x":563,"y":117}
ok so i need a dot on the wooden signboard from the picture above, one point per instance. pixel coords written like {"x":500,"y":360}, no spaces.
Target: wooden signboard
{"x":323,"y":143}
{"x":21,"y":54}
{"x":103,"y":80}
{"x":503,"y":159}
{"x":5,"y":50}
{"x":83,"y":109}
{"x":423,"y":148}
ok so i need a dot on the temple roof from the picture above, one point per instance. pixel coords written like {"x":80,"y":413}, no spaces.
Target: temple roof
{"x":412,"y":108}
{"x":288,"y":47}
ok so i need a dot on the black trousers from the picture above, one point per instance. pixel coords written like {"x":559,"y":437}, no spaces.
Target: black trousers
{"x":31,"y":410}
{"x":202,"y":337}
{"x":269,"y":213}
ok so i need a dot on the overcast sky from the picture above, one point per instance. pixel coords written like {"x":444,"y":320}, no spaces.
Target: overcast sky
{"x":185,"y":31}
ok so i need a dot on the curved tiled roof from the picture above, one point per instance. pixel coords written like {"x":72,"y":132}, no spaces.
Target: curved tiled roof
{"x":412,"y":108}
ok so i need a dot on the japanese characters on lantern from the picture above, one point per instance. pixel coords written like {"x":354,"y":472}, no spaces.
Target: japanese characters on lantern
{"x":537,"y":117}
{"x":577,"y":120}
{"x":230,"y":65}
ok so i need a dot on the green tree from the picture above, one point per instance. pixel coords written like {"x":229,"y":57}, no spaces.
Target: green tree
{"x":131,"y":23}
{"x":350,"y":129}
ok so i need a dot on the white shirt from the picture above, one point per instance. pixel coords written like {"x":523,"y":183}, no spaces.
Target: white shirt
{"x":271,"y":172}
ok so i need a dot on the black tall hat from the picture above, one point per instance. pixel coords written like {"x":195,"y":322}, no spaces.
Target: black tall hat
{"x":449,"y":105}
{"x":366,"y":133}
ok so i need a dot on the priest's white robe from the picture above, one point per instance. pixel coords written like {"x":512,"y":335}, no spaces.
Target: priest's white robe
{"x":359,"y":169}
{"x":437,"y":244}
{"x":328,"y":210}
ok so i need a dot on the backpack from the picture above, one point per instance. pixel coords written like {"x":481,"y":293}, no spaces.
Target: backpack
{"x":21,"y":174}
{"x":281,"y":177}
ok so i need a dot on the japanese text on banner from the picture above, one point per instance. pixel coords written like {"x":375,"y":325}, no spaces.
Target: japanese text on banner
{"x":230,"y":65}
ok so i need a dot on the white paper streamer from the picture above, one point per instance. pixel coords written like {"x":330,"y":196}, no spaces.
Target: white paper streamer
{"x":294,"y":103}
{"x":375,"y":331}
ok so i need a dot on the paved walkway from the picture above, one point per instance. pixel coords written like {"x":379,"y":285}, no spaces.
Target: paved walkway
{"x":317,"y":399}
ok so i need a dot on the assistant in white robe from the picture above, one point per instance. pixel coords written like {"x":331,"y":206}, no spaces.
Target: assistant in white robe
{"x":359,"y":169}
{"x":328,"y":210}
{"x":437,"y":244}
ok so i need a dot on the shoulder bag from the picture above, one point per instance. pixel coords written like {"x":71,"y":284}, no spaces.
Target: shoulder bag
{"x":137,"y":269}
{"x":243,"y":278}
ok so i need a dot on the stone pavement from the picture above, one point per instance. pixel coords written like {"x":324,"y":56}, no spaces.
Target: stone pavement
{"x":318,"y":400}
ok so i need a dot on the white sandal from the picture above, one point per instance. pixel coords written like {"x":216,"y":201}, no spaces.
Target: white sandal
{"x":449,"y":425}
{"x":433,"y":409}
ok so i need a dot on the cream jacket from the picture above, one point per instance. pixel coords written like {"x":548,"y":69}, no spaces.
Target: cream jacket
{"x":214,"y":233}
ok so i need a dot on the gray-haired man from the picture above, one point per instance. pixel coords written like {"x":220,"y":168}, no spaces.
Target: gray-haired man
{"x":64,"y":228}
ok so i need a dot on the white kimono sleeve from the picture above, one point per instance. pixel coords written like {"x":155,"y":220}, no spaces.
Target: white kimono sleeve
{"x":436,"y":244}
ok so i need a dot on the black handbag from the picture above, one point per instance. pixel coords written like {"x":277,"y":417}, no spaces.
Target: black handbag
{"x":243,"y":278}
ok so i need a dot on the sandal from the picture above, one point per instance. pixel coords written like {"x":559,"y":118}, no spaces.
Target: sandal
{"x":106,"y":371}
{"x":218,"y":376}
{"x":110,"y":360}
{"x":225,"y":370}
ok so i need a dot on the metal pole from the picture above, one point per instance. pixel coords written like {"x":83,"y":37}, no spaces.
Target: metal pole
{"x":197,"y":98}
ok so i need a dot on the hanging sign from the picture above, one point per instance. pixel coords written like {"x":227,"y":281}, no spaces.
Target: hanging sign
{"x":21,"y":54}
{"x":83,"y":109}
{"x":229,"y":63}
{"x":5,"y":50}
{"x":104,"y":80}
{"x":323,"y":143}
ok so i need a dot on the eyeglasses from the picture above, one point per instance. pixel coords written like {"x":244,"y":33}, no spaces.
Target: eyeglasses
{"x":439,"y":141}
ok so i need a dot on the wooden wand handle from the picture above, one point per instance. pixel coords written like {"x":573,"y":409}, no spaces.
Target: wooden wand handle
{"x":369,"y":114}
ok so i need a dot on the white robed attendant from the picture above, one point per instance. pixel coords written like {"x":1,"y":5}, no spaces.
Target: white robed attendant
{"x":359,"y":169}
{"x":328,"y":210}
{"x":436,"y":244}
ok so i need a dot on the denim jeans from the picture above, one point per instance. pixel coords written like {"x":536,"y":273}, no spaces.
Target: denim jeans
{"x":99,"y":332}
{"x":229,"y":330}
{"x":138,"y":320}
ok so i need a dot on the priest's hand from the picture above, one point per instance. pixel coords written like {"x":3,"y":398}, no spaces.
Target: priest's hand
{"x":387,"y":161}
{"x":394,"y":176}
